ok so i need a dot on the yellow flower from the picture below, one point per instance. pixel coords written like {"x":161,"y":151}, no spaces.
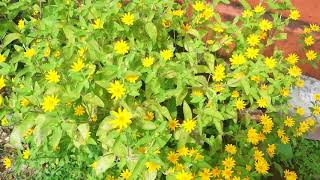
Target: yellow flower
{"x":166,"y":54}
{"x":270,"y":62}
{"x":97,"y":24}
{"x":197,"y":92}
{"x":271,"y":149}
{"x":205,"y":174}
{"x":132,"y":78}
{"x":262,"y":103}
{"x":292,"y":58}
{"x":311,"y":55}
{"x":252,"y":53}
{"x":122,"y":119}
{"x":262,"y":166}
{"x":300,"y":83}
{"x":259,"y":9}
{"x":116,"y":90}
{"x":240,"y":104}
{"x":24,"y":102}
{"x":121,"y":47}
{"x":126,"y":174}
{"x":316,"y":96}
{"x":265,"y":25}
{"x":230,"y":148}
{"x":173,"y":124}
{"x":253,"y":40}
{"x":284,"y":92}
{"x":29,"y":53}
{"x":227,"y":173}
{"x":184,"y":151}
{"x":149,"y":116}
{"x":148,"y":61}
{"x":219,"y":73}
{"x":4,"y":121}
{"x":294,"y":71}
{"x":235,"y":94}
{"x":316,"y":110}
{"x":152,"y":166}
{"x":173,"y":157}
{"x":247,"y":13}
{"x":229,"y":162}
{"x":47,"y":52}
{"x":289,"y":121}
{"x":21,"y":24}
{"x":309,"y":40}
{"x":127,"y":19}
{"x":2,"y":58}
{"x":177,"y":12}
{"x":314,"y":27}
{"x":79,"y":110}
{"x":166,"y":23}
{"x":267,"y":123}
{"x":77,"y":65}
{"x":49,"y":103}
{"x":237,"y":59}
{"x":52,"y":76}
{"x":300,"y":111}
{"x":248,"y":167}
{"x":280,"y":133}
{"x":285,"y":139}
{"x":294,"y":14}
{"x":2,"y":83}
{"x":290,"y":175}
{"x":189,"y":125}
{"x":215,"y":172}
{"x":6,"y":162}
{"x":253,"y":136}
{"x":184,"y":176}
{"x":198,"y":6}
{"x":26,"y":154}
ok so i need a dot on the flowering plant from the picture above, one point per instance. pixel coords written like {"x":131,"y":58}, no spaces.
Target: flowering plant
{"x":139,"y":90}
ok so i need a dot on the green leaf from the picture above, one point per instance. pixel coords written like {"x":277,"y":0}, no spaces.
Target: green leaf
{"x":151,"y":31}
{"x":187,"y":113}
{"x":246,"y":86}
{"x":285,"y":151}
{"x":55,"y":138}
{"x":148,"y":125}
{"x":93,"y":99}
{"x":104,"y":163}
{"x":9,"y":38}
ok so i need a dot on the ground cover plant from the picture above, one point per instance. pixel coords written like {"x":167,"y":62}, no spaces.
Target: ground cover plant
{"x":144,"y":89}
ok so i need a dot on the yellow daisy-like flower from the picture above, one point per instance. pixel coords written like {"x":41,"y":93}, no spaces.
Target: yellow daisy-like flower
{"x":21,"y":24}
{"x":237,"y":59}
{"x":205,"y":174}
{"x":198,"y":6}
{"x":184,"y":176}
{"x":284,"y":92}
{"x":252,"y":53}
{"x":128,"y":19}
{"x":117,"y":90}
{"x":6,"y":162}
{"x":189,"y":125}
{"x":49,"y":103}
{"x":316,"y":96}
{"x":166,"y":54}
{"x":24,"y":102}
{"x":177,"y":12}
{"x":47,"y":52}
{"x":253,"y":40}
{"x":262,"y":103}
{"x":309,"y":40}
{"x":4,"y":121}
{"x":52,"y":76}
{"x":149,"y":116}
{"x":230,"y":148}
{"x":235,"y":94}
{"x":147,"y":61}
{"x":97,"y":24}
{"x":300,"y":83}
{"x":227,"y":173}
{"x":173,"y":157}
{"x":247,"y":13}
{"x":2,"y":83}
{"x":314,"y":27}
{"x":2,"y":58}
{"x":121,"y":47}
{"x":132,"y":78}
{"x":197,"y":92}
{"x":262,"y":166}
{"x":311,"y":55}
{"x":173,"y":124}
{"x":219,"y":73}
{"x":271,"y":149}
{"x":240,"y":104}
{"x":290,"y":175}
{"x":166,"y":23}
{"x":259,"y":9}
{"x":292,"y":58}
{"x":270,"y":62}
{"x":294,"y":71}
{"x":79,"y":110}
{"x":229,"y":162}
{"x":77,"y":65}
{"x":289,"y":122}
{"x":151,"y":166}
{"x":265,"y":25}
{"x":316,"y":110}
{"x":294,"y":14}
{"x":126,"y":174}
{"x":29,"y":53}
{"x":26,"y":154}
{"x":122,"y":119}
{"x":300,"y":111}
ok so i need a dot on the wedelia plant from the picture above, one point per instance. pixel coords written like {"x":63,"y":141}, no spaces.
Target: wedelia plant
{"x":144,"y":89}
